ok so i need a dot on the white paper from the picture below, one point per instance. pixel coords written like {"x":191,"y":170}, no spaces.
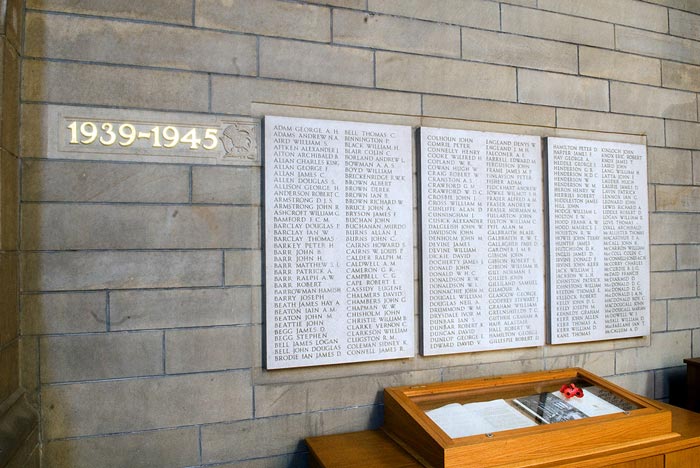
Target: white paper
{"x":590,"y":404}
{"x":478,"y":418}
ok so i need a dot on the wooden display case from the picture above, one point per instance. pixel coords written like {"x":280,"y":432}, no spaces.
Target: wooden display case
{"x":406,"y":420}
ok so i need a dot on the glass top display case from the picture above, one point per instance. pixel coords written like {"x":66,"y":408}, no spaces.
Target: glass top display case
{"x":491,"y":421}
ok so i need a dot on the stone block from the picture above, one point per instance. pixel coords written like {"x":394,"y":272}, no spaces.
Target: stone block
{"x":58,"y":181}
{"x":696,"y":343}
{"x":106,"y":407}
{"x":29,"y":369}
{"x":688,"y":257}
{"x":677,"y":198}
{"x":318,"y":63}
{"x":682,"y":134}
{"x":55,"y":313}
{"x":628,"y":12}
{"x":671,"y":228}
{"x":680,"y":75}
{"x":101,"y":356}
{"x":657,"y":45}
{"x":226,"y":185}
{"x":395,"y":33}
{"x":514,"y":365}
{"x":75,"y":227}
{"x":488,"y":111}
{"x":696,"y":167}
{"x":666,"y":350}
{"x":564,"y":28}
{"x":9,"y":299}
{"x":266,"y":18}
{"x":243,"y":267}
{"x":208,"y":349}
{"x":54,"y":37}
{"x":602,"y":363}
{"x":684,"y":24}
{"x":445,"y":76}
{"x":10,"y":100}
{"x":641,"y":383}
{"x":687,"y":5}
{"x":280,"y":461}
{"x":282,"y":435}
{"x":9,"y":201}
{"x":508,"y":49}
{"x":137,"y":310}
{"x":13,"y":22}
{"x":605,"y":122}
{"x":655,"y":102}
{"x":69,"y":271}
{"x":152,"y":449}
{"x":162,"y":11}
{"x":662,"y":257}
{"x":235,"y":95}
{"x":669,"y":166}
{"x":684,"y":314}
{"x":355,"y":4}
{"x":676,"y":284}
{"x":87,"y":84}
{"x":9,"y":370}
{"x":535,"y":87}
{"x":659,"y":320}
{"x":619,"y":66}
{"x":474,"y":13}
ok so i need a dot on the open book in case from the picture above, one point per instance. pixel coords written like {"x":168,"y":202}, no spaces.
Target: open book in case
{"x":542,"y":416}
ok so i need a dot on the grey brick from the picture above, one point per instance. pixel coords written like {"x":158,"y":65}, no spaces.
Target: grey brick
{"x":537,"y":23}
{"x":104,"y":182}
{"x":228,"y":185}
{"x":535,"y":87}
{"x":474,"y":13}
{"x":653,"y":128}
{"x":669,"y":166}
{"x":657,"y":45}
{"x":619,"y":66}
{"x":680,"y":75}
{"x":677,"y":198}
{"x":509,"y":49}
{"x":136,"y":310}
{"x":54,"y":36}
{"x":675,"y":284}
{"x":662,"y":257}
{"x":655,"y":102}
{"x":684,"y":24}
{"x":208,"y":349}
{"x":44,"y":314}
{"x":393,"y":33}
{"x":445,"y":76}
{"x":101,"y":356}
{"x":688,"y":257}
{"x":683,"y":314}
{"x":106,"y":407}
{"x":628,"y":12}
{"x":153,"y":449}
{"x":266,"y":17}
{"x":319,"y":63}
{"x":682,"y":134}
{"x":61,"y":271}
{"x":489,"y":111}
{"x":167,"y":11}
{"x":75,"y":227}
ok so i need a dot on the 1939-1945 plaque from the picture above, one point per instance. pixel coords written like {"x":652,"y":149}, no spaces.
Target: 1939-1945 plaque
{"x":338,"y":241}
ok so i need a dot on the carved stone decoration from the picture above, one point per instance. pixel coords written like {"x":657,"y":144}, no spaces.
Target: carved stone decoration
{"x":240,"y":141}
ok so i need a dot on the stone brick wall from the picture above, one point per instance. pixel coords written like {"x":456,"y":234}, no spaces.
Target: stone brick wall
{"x":141,"y":305}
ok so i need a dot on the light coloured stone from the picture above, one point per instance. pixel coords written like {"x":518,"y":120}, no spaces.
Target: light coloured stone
{"x":356,"y":4}
{"x":662,"y":257}
{"x":669,"y":166}
{"x":13,"y":22}
{"x":681,"y":134}
{"x":76,"y":227}
{"x":226,"y":185}
{"x":684,"y":24}
{"x":104,"y":182}
{"x":61,"y":271}
{"x":474,"y":13}
{"x":137,"y":310}
{"x":687,"y":5}
{"x":684,"y":314}
{"x":9,"y":300}
{"x":696,"y":343}
{"x":619,"y":66}
{"x":266,"y":18}
{"x":657,"y":45}
{"x":394,"y":33}
{"x":445,"y":76}
{"x":54,"y":37}
{"x":535,"y":87}
{"x":9,"y":201}
{"x":677,"y":198}
{"x":152,"y":449}
{"x":243,"y":268}
{"x":511,"y":366}
{"x":629,"y":12}
{"x":10,"y":100}
{"x":676,"y":284}
{"x":509,"y":49}
{"x":641,"y":383}
{"x":599,"y":363}
{"x":318,"y":63}
{"x":29,"y":369}
{"x":671,"y":228}
{"x":489,"y":111}
{"x":659,"y":320}
{"x":606,"y":122}
{"x":9,"y":370}
{"x":680,"y":75}
{"x":87,"y":84}
{"x":666,"y":350}
{"x":128,"y":405}
{"x":669,"y":386}
{"x":235,"y":95}
{"x":688,"y":257}
{"x":167,"y":11}
{"x":696,"y":167}
{"x":655,"y":102}
{"x":100,"y":356}
{"x":208,"y":349}
{"x":564,"y":28}
{"x":44,"y":314}
{"x":281,"y":461}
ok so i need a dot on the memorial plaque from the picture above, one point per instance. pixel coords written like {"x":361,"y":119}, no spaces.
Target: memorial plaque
{"x":482,"y":241}
{"x":599,"y":240}
{"x":338,"y":241}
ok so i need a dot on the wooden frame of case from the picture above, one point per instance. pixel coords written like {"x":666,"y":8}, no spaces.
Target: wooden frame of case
{"x":406,"y":422}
